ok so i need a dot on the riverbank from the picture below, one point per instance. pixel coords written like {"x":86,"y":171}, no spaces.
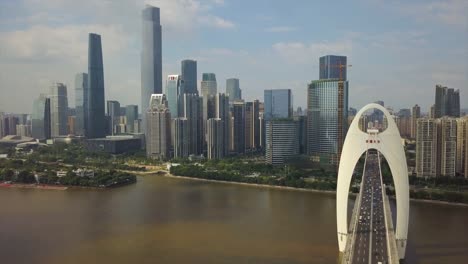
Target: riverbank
{"x":61,"y":187}
{"x":33,"y":186}
{"x":247,"y":184}
{"x":299,"y":189}
{"x":433,"y":202}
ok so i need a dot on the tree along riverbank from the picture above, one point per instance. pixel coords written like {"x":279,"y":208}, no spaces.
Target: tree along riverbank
{"x":16,"y":171}
{"x":298,"y":182}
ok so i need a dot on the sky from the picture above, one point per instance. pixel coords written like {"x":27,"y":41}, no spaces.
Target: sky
{"x":399,"y":50}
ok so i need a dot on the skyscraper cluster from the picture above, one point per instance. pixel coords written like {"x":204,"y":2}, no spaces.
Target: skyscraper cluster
{"x":180,"y":121}
{"x":441,"y":137}
{"x":51,"y":116}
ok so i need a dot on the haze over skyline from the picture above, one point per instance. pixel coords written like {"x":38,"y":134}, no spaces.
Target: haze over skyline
{"x":399,"y":50}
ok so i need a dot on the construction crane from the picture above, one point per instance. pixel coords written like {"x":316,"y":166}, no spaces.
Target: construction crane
{"x":339,"y":66}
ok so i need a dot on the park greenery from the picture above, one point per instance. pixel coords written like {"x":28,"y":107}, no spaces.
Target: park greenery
{"x":256,"y":172}
{"x":45,"y":162}
{"x":298,"y":173}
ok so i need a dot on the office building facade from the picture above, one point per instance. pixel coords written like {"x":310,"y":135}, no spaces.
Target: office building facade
{"x":95,"y":119}
{"x":222,"y":112}
{"x":215,"y":138}
{"x":209,"y":109}
{"x":233,"y":90}
{"x":113,"y":112}
{"x":447,"y":102}
{"x":301,"y":133}
{"x":40,"y":123}
{"x":255,"y":126}
{"x":81,"y":96}
{"x":191,"y":105}
{"x":189,"y":75}
{"x":327,"y":114}
{"x":151,"y":55}
{"x":281,"y":140}
{"x":238,"y":129}
{"x":330,"y":67}
{"x":175,"y":89}
{"x":415,"y":114}
{"x":278,"y":104}
{"x":209,"y":86}
{"x":180,"y":137}
{"x":58,"y":110}
{"x":158,"y":128}
{"x":131,"y":114}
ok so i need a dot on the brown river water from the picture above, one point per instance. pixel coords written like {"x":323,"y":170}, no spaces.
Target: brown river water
{"x":166,"y":220}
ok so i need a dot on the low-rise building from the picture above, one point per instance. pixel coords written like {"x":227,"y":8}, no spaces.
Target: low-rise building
{"x":84,"y":173}
{"x":114,"y":144}
{"x":61,"y":173}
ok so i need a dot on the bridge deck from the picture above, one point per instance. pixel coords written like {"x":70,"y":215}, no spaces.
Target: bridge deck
{"x":372,"y":229}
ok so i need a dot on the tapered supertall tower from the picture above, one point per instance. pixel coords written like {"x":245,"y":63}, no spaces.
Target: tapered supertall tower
{"x":95,"y":119}
{"x":151,"y":59}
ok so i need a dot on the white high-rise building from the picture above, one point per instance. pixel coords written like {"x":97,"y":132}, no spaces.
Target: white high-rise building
{"x":426,"y":147}
{"x":446,"y":146}
{"x":58,"y":109}
{"x":462,"y":146}
{"x":158,"y":128}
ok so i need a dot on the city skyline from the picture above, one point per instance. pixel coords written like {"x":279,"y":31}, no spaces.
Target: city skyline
{"x":277,"y":66}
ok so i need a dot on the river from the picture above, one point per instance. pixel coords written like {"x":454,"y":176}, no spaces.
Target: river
{"x":166,"y":220}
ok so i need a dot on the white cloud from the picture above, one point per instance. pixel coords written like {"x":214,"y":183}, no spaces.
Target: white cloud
{"x":216,"y":22}
{"x":300,"y":53}
{"x":185,"y":15}
{"x":65,"y":43}
{"x":280,"y":29}
{"x":448,"y":12}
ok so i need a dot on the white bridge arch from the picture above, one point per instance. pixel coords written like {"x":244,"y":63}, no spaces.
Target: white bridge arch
{"x":390,"y":146}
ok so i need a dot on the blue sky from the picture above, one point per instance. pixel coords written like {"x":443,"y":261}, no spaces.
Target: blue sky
{"x":399,"y":49}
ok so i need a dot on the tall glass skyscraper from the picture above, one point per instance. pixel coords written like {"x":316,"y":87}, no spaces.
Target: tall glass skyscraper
{"x":41,"y":118}
{"x":222,"y":113}
{"x":189,"y":75}
{"x":151,"y":56}
{"x":233,"y":90}
{"x":278,"y":104}
{"x":215,"y":138}
{"x":81,"y":96}
{"x":95,"y":120}
{"x":131,"y":114}
{"x":191,"y":107}
{"x":113,"y":112}
{"x":330,"y":67}
{"x":208,"y":84}
{"x":175,"y":89}
{"x":238,"y":129}
{"x":327,"y":105}
{"x":58,"y":110}
{"x":281,"y":140}
{"x":447,"y":102}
